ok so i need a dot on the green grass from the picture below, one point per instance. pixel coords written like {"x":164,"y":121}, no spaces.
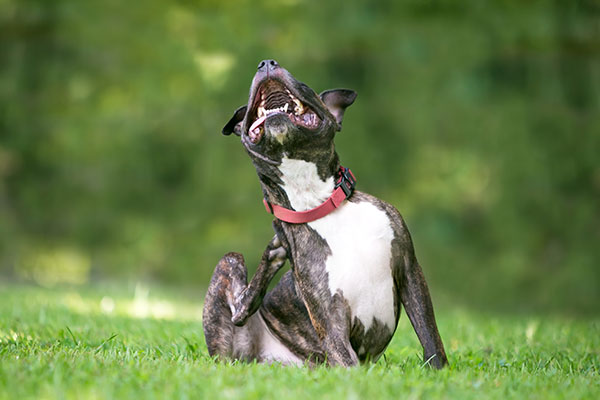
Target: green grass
{"x":124,"y":343}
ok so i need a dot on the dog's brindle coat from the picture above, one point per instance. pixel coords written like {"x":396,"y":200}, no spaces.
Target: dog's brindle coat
{"x":350,"y":270}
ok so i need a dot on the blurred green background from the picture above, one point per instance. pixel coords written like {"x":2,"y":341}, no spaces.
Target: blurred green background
{"x":479,"y":120}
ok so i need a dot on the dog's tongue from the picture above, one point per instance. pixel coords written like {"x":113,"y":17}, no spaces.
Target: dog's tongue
{"x":258,"y":123}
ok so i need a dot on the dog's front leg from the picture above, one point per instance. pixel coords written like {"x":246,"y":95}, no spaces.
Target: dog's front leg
{"x":417,"y":302}
{"x":336,"y":340}
{"x":330,"y":316}
{"x":250,"y":298}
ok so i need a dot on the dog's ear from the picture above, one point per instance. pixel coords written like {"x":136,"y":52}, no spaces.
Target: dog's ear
{"x":235,"y":123}
{"x":337,"y":100}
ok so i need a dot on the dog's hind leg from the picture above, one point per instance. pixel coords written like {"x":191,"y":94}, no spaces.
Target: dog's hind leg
{"x":230,"y":328}
{"x":250,"y":298}
{"x":228,"y":280}
{"x":259,"y":338}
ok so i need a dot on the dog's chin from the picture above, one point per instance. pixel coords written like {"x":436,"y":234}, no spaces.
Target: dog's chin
{"x":278,"y":127}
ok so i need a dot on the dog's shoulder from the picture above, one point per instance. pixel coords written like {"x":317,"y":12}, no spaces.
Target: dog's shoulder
{"x":396,"y":221}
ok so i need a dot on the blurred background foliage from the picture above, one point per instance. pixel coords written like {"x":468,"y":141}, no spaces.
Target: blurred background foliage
{"x":478,"y":119}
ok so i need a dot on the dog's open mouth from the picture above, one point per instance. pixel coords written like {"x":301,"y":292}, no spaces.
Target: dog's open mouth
{"x":273,"y":97}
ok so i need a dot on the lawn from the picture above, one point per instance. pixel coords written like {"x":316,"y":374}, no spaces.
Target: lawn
{"x":132,"y":342}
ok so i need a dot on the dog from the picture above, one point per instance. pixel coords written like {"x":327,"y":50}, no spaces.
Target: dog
{"x":352,"y":262}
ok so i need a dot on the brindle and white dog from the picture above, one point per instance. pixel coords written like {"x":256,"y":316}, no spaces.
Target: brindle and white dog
{"x":350,"y":270}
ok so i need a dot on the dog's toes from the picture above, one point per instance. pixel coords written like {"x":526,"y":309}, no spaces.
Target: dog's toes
{"x":277,"y":254}
{"x":239,"y":317}
{"x":276,"y":242}
{"x":239,"y":309}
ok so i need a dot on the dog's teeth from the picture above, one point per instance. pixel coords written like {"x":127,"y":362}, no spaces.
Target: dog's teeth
{"x":276,"y":109}
{"x":262,"y":111}
{"x":299,"y":108}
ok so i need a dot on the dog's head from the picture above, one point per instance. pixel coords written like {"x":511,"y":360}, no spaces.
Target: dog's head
{"x":286,"y":118}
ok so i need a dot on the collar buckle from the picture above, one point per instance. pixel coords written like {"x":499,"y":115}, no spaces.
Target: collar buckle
{"x":347,"y":181}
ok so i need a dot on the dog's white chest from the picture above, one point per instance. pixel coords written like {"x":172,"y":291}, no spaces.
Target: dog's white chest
{"x":360,"y":238}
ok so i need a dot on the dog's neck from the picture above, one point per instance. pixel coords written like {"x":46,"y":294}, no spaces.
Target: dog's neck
{"x":300,"y":185}
{"x":304,"y":188}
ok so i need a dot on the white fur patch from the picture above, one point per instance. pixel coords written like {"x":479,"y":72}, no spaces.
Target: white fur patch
{"x":271,"y":349}
{"x":360,"y":238}
{"x":255,"y":340}
{"x":302,"y":184}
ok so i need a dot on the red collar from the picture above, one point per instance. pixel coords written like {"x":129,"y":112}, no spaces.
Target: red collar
{"x":343,"y":189}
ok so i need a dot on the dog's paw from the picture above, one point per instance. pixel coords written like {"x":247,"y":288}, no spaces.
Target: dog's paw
{"x":240,"y":308}
{"x":277,"y":256}
{"x":239,"y":316}
{"x":276,"y":252}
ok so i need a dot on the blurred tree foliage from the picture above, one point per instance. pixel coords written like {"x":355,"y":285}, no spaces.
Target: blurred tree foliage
{"x":477,"y":119}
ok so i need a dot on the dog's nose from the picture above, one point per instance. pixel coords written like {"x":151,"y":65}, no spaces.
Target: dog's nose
{"x":268,"y":65}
